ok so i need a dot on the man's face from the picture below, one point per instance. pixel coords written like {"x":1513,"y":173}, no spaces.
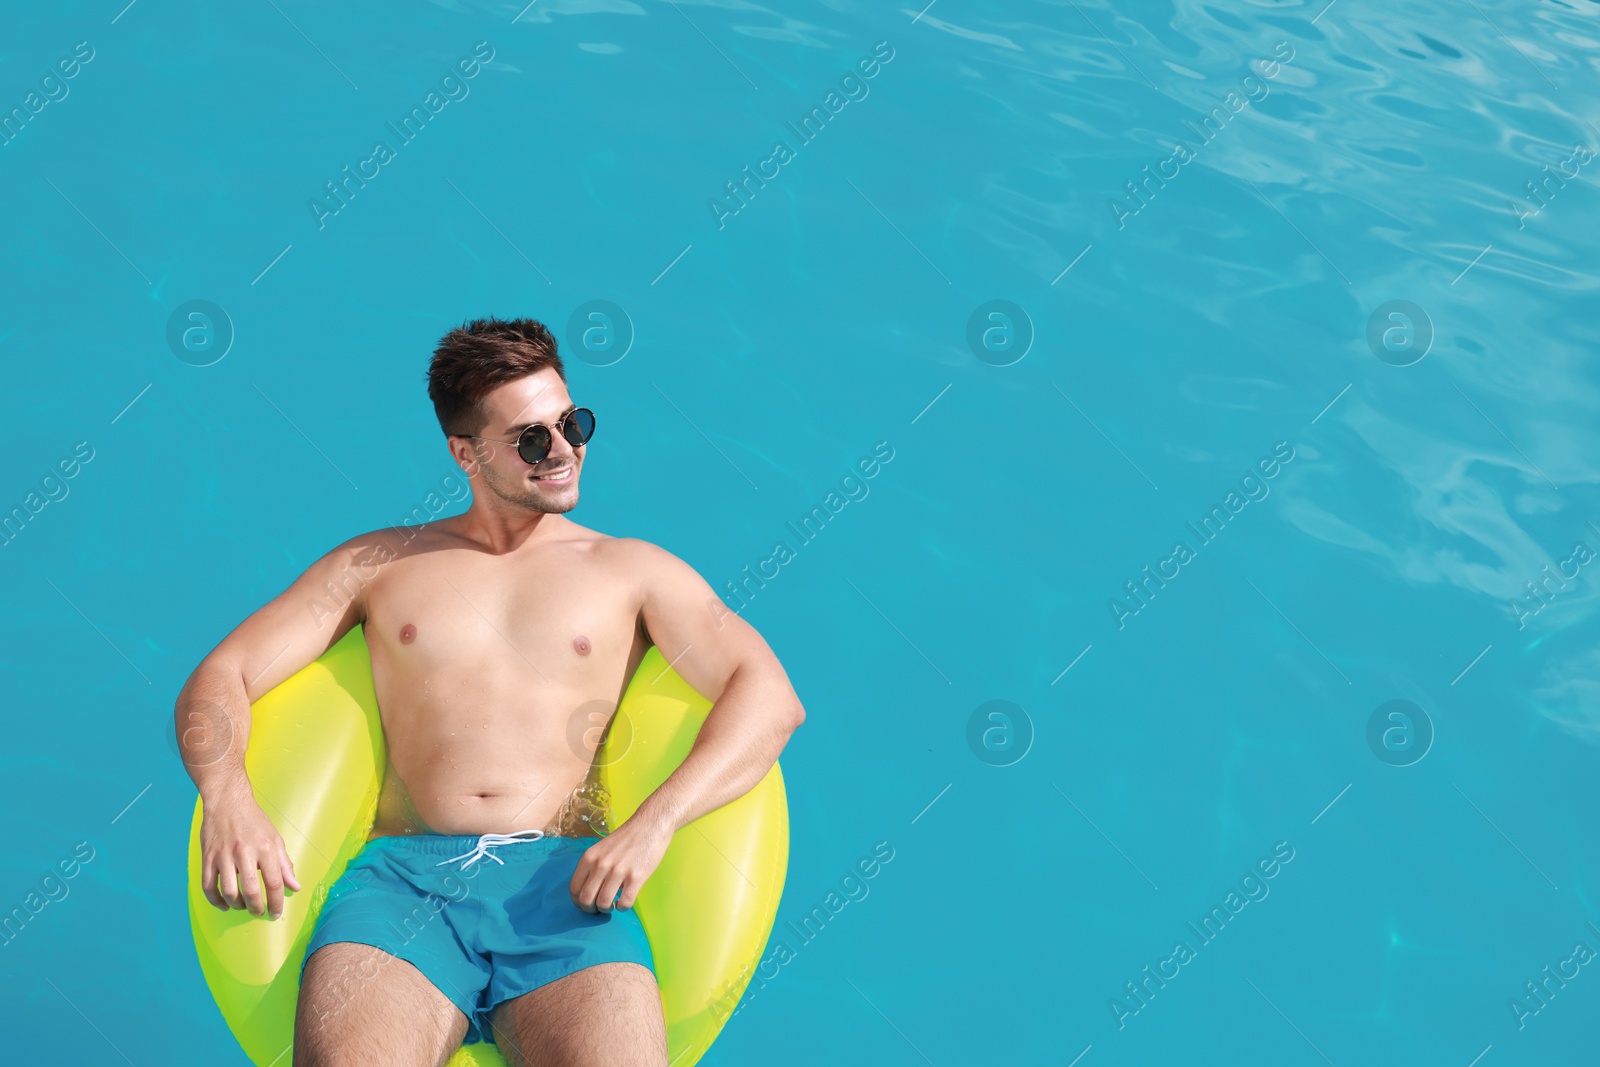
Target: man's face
{"x":537,"y":398}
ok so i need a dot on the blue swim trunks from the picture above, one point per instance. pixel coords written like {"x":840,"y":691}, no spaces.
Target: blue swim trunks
{"x":485,"y":919}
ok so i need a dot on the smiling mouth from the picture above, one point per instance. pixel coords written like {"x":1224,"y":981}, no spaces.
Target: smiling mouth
{"x":559,"y":477}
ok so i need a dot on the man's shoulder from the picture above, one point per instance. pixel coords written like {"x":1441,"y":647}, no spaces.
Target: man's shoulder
{"x":644,"y":561}
{"x":635,"y":549}
{"x":388,"y":543}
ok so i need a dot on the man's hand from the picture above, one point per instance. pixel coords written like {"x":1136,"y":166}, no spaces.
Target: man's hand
{"x":236,"y":840}
{"x":616,"y":867}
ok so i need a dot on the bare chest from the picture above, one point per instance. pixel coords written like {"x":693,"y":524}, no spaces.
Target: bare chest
{"x":567,"y":619}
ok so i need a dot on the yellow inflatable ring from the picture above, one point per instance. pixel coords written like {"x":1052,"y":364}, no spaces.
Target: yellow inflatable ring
{"x":316,"y":760}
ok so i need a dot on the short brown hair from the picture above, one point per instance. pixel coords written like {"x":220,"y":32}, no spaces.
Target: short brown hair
{"x":477,"y":357}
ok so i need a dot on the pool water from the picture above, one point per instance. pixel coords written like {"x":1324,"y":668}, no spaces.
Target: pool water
{"x":1204,"y":671}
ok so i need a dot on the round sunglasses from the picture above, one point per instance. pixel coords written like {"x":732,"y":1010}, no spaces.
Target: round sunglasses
{"x":533,"y":444}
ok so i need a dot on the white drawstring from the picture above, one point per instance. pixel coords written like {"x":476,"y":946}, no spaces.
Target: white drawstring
{"x":488,"y":841}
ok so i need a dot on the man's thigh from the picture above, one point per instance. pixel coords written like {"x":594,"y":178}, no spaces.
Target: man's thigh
{"x":608,"y":1015}
{"x":360,"y":1005}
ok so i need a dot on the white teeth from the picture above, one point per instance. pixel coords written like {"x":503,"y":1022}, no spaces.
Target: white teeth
{"x":553,"y":475}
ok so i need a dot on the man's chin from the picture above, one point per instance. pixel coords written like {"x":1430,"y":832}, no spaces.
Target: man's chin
{"x":543,"y":503}
{"x":554,"y":504}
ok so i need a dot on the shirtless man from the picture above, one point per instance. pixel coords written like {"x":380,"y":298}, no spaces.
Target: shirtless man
{"x":497,"y":637}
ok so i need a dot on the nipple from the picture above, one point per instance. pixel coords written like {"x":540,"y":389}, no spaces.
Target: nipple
{"x":408,"y":634}
{"x":581,"y":643}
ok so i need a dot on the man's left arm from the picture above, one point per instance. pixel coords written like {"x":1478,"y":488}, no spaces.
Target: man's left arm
{"x":754,"y":710}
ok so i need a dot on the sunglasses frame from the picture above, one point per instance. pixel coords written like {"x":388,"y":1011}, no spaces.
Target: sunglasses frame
{"x":559,"y":425}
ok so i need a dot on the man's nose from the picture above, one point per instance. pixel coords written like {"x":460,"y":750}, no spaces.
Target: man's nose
{"x":560,"y":446}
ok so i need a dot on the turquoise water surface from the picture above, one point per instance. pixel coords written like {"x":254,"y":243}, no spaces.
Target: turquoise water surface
{"x":1213,"y":649}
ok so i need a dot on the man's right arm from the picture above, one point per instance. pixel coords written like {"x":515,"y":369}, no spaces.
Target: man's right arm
{"x":213,"y":718}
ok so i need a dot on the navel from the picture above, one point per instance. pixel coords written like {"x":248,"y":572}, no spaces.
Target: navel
{"x":408,"y":634}
{"x":581,"y":643}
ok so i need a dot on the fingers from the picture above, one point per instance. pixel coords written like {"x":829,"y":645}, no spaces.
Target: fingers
{"x":246,"y":884}
{"x":598,"y":884}
{"x":611,"y":890}
{"x":585,"y":884}
{"x":250,"y":886}
{"x":228,"y":884}
{"x":272,"y":880}
{"x":287,"y":866}
{"x":589,"y":881}
{"x":208,"y":885}
{"x":244,"y":863}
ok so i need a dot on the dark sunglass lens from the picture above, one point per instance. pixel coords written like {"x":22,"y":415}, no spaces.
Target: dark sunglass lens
{"x":534,"y":444}
{"x":579,"y":426}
